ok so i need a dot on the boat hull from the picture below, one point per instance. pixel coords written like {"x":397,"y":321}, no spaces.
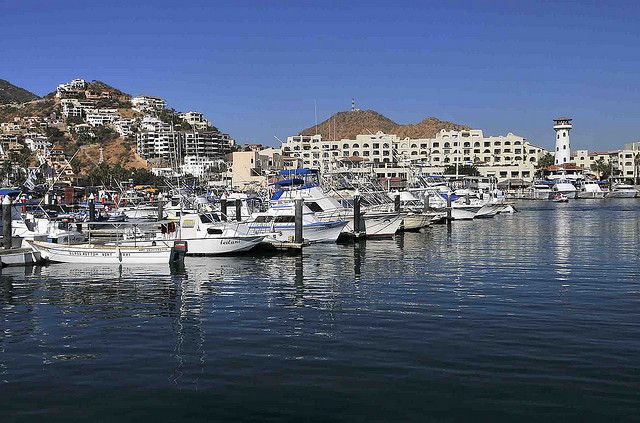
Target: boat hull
{"x":92,"y":254}
{"x":415,"y":222}
{"x":621,"y":194}
{"x":318,"y":232}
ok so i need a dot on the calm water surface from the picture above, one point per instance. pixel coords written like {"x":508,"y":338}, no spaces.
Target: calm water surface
{"x":526,"y":316}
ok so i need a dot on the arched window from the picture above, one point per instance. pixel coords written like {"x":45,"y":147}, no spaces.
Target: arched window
{"x":564,"y":147}
{"x":487,"y":151}
{"x":507,"y":143}
{"x":447,"y":145}
{"x":345,"y":145}
{"x":436,"y":152}
{"x":476,"y":144}
{"x":356,"y":154}
{"x":466,"y":145}
{"x":414,"y":146}
{"x":446,"y":160}
{"x":365,"y":145}
{"x":356,"y":146}
{"x":414,"y":153}
{"x":533,"y":159}
{"x":517,"y":158}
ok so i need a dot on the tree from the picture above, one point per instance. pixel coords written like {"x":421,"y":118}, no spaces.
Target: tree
{"x":468,"y":170}
{"x":603,"y":168}
{"x":543,"y":163}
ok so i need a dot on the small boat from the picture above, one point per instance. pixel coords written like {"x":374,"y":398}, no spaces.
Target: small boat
{"x":109,"y":254}
{"x":559,"y":198}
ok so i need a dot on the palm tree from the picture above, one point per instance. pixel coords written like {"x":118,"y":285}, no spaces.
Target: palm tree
{"x":602,"y":168}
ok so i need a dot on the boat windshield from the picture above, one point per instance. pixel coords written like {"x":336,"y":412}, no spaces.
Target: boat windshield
{"x":209,"y":218}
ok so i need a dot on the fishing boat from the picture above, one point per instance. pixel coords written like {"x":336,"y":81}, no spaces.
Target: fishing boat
{"x":622,"y":191}
{"x":108,"y":254}
{"x":279,"y":223}
{"x":204,"y":233}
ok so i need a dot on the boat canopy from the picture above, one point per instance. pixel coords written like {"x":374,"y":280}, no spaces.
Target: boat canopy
{"x":286,"y":182}
{"x":303,"y":171}
{"x":9,"y":191}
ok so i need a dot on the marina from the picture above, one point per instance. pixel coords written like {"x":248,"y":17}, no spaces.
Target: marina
{"x":530,"y":312}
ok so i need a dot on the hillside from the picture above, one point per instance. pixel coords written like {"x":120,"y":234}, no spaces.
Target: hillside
{"x":351,"y":123}
{"x":10,"y":93}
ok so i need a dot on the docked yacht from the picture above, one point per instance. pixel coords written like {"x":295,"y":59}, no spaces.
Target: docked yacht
{"x":377,"y":221}
{"x":591,"y":189}
{"x":622,"y":191}
{"x":278,"y":224}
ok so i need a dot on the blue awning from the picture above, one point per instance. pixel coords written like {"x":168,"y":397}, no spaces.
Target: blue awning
{"x":285,"y":182}
{"x":288,"y":172}
{"x":9,"y":191}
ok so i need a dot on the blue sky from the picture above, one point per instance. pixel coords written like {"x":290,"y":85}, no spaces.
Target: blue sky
{"x":256,"y":68}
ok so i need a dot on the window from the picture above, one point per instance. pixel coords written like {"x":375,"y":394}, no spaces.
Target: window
{"x":345,"y":145}
{"x":447,"y":145}
{"x":263,"y":219}
{"x":285,"y":219}
{"x":436,"y":144}
{"x":564,"y":147}
{"x":313,"y":206}
{"x":365,"y":145}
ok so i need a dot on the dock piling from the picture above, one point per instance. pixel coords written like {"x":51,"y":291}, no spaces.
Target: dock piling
{"x":92,"y":208}
{"x":396,"y":203}
{"x":449,"y":217}
{"x":239,"y":210}
{"x":223,"y":208}
{"x":6,"y":222}
{"x":160,"y":207}
{"x":356,"y":215}
{"x":298,"y":221}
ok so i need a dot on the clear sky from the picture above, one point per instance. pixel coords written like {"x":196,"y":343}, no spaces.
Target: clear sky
{"x":256,"y":68}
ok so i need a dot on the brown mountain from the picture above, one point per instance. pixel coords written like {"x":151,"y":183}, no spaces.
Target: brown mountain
{"x":10,"y":93}
{"x":349,"y":124}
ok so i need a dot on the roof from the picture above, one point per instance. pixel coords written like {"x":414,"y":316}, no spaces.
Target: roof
{"x":565,"y":166}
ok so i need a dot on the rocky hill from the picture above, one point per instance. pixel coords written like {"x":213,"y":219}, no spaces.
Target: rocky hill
{"x":10,"y":93}
{"x":351,"y":123}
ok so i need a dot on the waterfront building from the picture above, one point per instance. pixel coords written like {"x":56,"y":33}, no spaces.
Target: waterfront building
{"x":252,"y":170}
{"x":144,"y":103}
{"x":562,"y":126}
{"x":200,"y":166}
{"x":389,"y":156}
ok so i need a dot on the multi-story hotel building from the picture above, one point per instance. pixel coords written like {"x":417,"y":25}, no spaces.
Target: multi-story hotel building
{"x":209,"y":144}
{"x":389,"y":156}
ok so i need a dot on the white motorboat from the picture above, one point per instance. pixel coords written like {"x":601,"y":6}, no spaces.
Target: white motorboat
{"x":376,"y":221}
{"x":204,"y":234}
{"x":622,"y":191}
{"x":591,"y":189}
{"x":564,"y":187}
{"x":539,"y":191}
{"x":279,"y":223}
{"x":103,"y":254}
{"x":41,"y":229}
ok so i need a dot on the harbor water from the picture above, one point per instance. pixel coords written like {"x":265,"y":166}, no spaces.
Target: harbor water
{"x":533,"y":315}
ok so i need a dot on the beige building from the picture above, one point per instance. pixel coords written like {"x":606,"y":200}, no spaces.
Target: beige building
{"x":389,"y":156}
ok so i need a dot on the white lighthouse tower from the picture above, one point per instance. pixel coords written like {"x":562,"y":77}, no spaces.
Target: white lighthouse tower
{"x":562,"y":126}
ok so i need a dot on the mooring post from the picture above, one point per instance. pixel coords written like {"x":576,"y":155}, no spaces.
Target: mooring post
{"x":160,"y":206}
{"x":467,"y":200}
{"x":92,"y":208}
{"x":223,"y":207}
{"x":396,"y":203}
{"x":356,"y":214}
{"x":6,"y":222}
{"x":298,"y":239}
{"x":426,"y":202}
{"x":239,"y":210}
{"x":449,"y":217}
